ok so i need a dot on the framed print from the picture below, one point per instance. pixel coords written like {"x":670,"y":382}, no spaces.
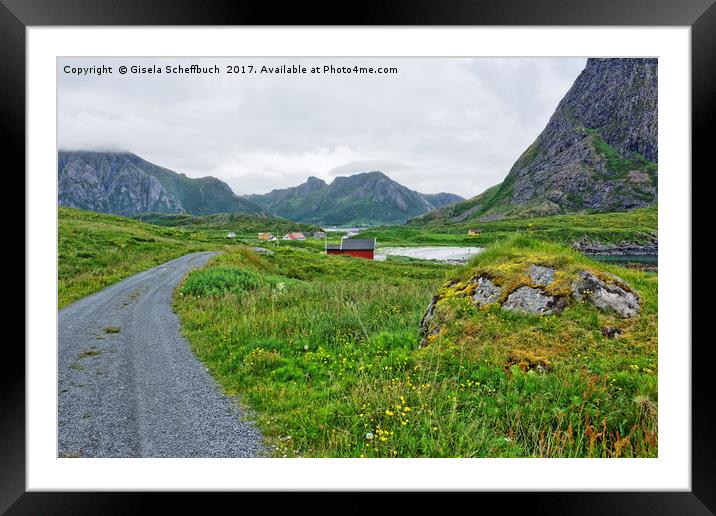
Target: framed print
{"x":417,"y":250}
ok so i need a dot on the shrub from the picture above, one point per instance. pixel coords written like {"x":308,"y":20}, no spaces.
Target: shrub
{"x":220,"y":280}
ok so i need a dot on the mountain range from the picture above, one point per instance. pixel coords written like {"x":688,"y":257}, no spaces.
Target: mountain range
{"x":122,"y":183}
{"x":365,"y":198}
{"x":598,"y":152}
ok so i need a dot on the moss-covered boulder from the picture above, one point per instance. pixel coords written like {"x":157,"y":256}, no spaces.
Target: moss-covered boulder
{"x":529,"y":279}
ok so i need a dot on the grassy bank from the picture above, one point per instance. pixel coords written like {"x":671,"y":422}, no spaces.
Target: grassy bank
{"x":325,"y":350}
{"x":637,"y":226}
{"x":96,"y":250}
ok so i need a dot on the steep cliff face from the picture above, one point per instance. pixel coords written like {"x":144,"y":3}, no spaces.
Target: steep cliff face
{"x":598,"y":151}
{"x":122,"y":183}
{"x":110,"y":183}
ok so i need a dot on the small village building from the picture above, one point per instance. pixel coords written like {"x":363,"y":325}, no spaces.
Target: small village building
{"x":266,"y":236}
{"x":294,"y":236}
{"x":231,"y":234}
{"x":473,"y":232}
{"x":356,"y":247}
{"x":319,"y":234}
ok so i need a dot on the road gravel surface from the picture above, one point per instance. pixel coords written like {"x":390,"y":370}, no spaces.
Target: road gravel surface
{"x":130,"y":386}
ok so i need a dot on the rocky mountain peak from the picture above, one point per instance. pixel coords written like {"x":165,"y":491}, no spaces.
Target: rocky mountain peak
{"x":598,"y":151}
{"x":122,"y":183}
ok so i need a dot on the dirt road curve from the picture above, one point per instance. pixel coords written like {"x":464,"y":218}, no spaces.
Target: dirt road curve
{"x":128,"y":384}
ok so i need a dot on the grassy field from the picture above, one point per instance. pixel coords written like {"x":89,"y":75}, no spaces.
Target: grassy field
{"x":637,"y":226}
{"x":243,"y":222}
{"x":325,"y":350}
{"x":96,"y":250}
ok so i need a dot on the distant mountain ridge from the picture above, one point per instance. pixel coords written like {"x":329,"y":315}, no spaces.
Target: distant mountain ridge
{"x":363,"y":198}
{"x":597,"y":153}
{"x":122,"y":183}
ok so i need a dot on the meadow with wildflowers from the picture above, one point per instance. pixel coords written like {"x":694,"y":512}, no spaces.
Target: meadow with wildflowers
{"x":325,"y":352}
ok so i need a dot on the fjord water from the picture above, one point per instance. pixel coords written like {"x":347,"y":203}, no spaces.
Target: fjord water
{"x":446,"y":254}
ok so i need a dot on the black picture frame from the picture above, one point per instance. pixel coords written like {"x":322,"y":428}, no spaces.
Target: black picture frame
{"x":17,"y":15}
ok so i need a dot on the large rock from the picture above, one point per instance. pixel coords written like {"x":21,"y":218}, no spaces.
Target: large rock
{"x":539,"y":296}
{"x":605,"y":295}
{"x":261,"y":250}
{"x":486,"y":292}
{"x":533,"y":301}
{"x":426,"y":322}
{"x":649,"y":246}
{"x":540,"y":275}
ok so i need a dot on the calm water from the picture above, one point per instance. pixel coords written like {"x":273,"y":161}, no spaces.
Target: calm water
{"x":442,"y":254}
{"x":333,"y":229}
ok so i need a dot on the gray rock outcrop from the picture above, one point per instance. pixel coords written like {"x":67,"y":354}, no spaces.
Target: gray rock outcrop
{"x":533,"y":301}
{"x":540,"y":275}
{"x":605,"y":295}
{"x":606,"y":292}
{"x":486,"y":292}
{"x":426,"y":327}
{"x":261,"y":250}
{"x":649,"y":246}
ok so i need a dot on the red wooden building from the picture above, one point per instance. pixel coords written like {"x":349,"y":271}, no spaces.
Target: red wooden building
{"x":357,"y":247}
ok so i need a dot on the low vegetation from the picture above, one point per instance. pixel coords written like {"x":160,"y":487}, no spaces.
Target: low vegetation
{"x":637,"y":226}
{"x":325,"y":350}
{"x":241,"y":222}
{"x":96,"y":250}
{"x":618,"y":166}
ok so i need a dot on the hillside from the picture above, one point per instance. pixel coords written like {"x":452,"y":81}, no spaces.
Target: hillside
{"x":598,"y":152}
{"x":238,"y":222}
{"x":632,"y":232}
{"x":96,"y":250}
{"x":366,"y":198}
{"x":122,"y":183}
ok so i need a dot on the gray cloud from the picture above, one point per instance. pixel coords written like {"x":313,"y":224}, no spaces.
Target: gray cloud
{"x":440,"y":124}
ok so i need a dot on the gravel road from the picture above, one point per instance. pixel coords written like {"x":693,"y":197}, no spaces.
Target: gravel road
{"x":128,"y":384}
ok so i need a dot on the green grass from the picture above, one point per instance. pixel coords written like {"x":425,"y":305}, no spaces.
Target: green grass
{"x":237,"y":222}
{"x":325,"y":350}
{"x":96,"y":250}
{"x":637,"y":226}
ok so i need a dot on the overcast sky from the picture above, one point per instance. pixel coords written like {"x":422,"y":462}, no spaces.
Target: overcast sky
{"x":438,"y":125}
